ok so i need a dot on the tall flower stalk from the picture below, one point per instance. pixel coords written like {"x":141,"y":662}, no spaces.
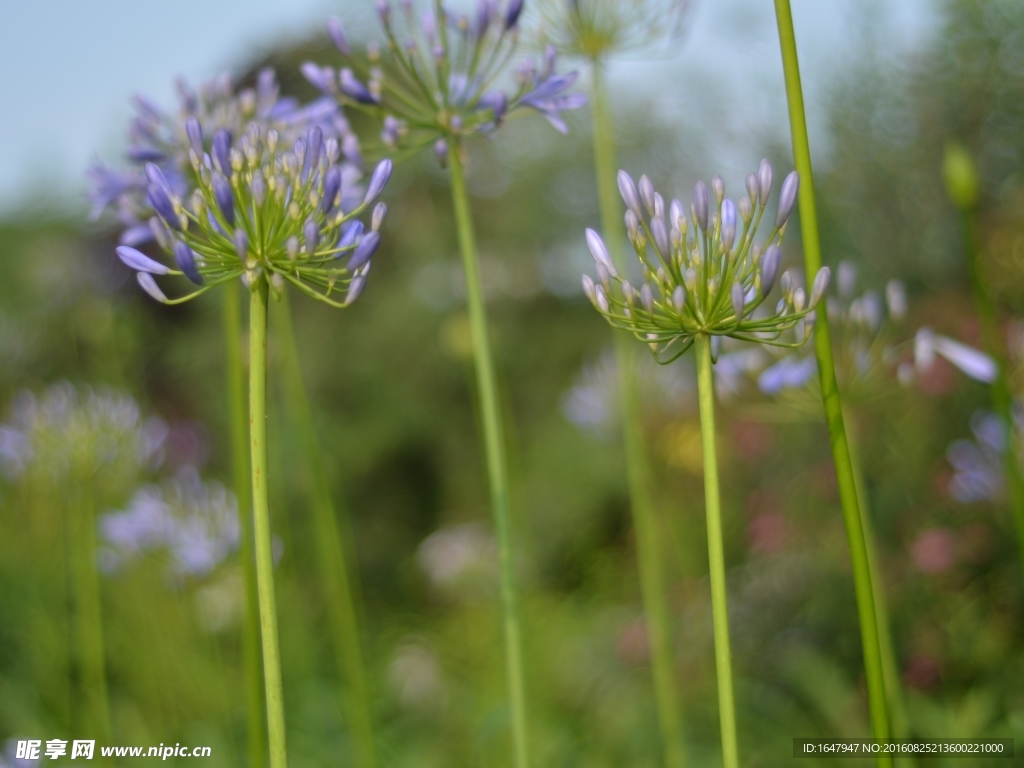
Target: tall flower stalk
{"x":704,"y":277}
{"x":852,"y":517}
{"x":337,"y":578}
{"x":438,"y":85}
{"x":258,"y":210}
{"x":962,"y":185}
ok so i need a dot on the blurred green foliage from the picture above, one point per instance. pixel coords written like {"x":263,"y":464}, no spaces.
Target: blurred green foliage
{"x":391,"y":384}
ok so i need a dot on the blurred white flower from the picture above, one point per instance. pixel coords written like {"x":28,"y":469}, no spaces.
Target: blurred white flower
{"x":452,"y":554}
{"x":415,"y":677}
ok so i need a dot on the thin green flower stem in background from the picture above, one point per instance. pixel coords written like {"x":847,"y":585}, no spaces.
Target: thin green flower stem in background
{"x":716,"y":553}
{"x":257,"y":729}
{"x":494,"y":444}
{"x":830,"y":390}
{"x":648,"y":540}
{"x":890,"y":665}
{"x":94,"y":704}
{"x":338,"y":583}
{"x":261,"y":519}
{"x":1002,"y":399}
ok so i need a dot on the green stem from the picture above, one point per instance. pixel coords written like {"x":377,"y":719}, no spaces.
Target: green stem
{"x":716,"y":554}
{"x":256,"y":732}
{"x":494,"y":445}
{"x":335,"y":577}
{"x":261,"y":520}
{"x":648,"y":540}
{"x":1002,"y":398}
{"x":830,"y":390}
{"x":89,"y":622}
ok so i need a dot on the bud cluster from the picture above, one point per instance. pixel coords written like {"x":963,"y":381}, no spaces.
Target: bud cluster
{"x":440,"y":77}
{"x":598,"y":28}
{"x":703,"y":271}
{"x":260,"y":207}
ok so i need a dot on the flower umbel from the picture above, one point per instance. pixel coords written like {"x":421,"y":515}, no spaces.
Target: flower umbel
{"x":597,"y":28}
{"x":704,"y":273}
{"x":442,"y":75}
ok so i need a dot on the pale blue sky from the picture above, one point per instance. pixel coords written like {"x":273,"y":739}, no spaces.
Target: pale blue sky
{"x":69,"y":67}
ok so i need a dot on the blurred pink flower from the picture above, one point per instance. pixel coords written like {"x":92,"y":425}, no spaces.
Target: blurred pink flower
{"x":934,"y":551}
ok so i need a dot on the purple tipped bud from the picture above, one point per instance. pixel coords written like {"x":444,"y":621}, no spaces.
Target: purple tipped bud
{"x":728,"y":224}
{"x":716,"y":348}
{"x":629,"y":194}
{"x":311,"y":234}
{"x":660,"y":235}
{"x":588,"y":289}
{"x":700,"y":204}
{"x":764,"y":180}
{"x":195,"y":135}
{"x":354,"y":89}
{"x":149,"y":285}
{"x":676,"y":213}
{"x":820,"y":285}
{"x":719,"y":187}
{"x":379,"y":212}
{"x":366,"y":248}
{"x":225,"y":198}
{"x":770,"y":268}
{"x":162,"y":204}
{"x":355,"y":289}
{"x":242,"y":244}
{"x":599,"y":250}
{"x":603,"y":275}
{"x":647,"y":297}
{"x":139,"y":261}
{"x":222,"y":150}
{"x":601,"y":299}
{"x":314,"y":144}
{"x":381,"y":175}
{"x":259,"y":188}
{"x":627,"y":292}
{"x":646,"y":189}
{"x":337,"y":33}
{"x":186,"y":261}
{"x":156,"y":176}
{"x":753,"y":187}
{"x":515,"y":7}
{"x":632,"y":225}
{"x":321,"y":78}
{"x":352,"y":232}
{"x":332,"y":185}
{"x":384,"y":11}
{"x":738,"y":296}
{"x":679,"y":298}
{"x":745,"y":210}
{"x":787,"y":197}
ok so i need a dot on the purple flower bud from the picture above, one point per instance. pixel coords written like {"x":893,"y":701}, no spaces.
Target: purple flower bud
{"x":764,"y":180}
{"x":647,"y":298}
{"x":676,"y":213}
{"x":321,"y":78}
{"x":719,"y":187}
{"x":355,"y":289}
{"x":195,"y":135}
{"x":441,"y":152}
{"x":700,"y":204}
{"x":679,"y":299}
{"x":384,"y":11}
{"x":139,"y":261}
{"x":745,"y":210}
{"x":728,"y":224}
{"x":156,"y":176}
{"x":770,"y":268}
{"x":225,"y":198}
{"x":787,"y":197}
{"x":588,"y":289}
{"x":738,"y":296}
{"x":716,"y":348}
{"x":354,"y":89}
{"x":599,"y":250}
{"x":311,"y":233}
{"x":348,"y":238}
{"x":515,"y":7}
{"x":820,"y":285}
{"x":186,"y":261}
{"x":646,"y":189}
{"x":314,"y":145}
{"x":629,"y":194}
{"x":379,"y":212}
{"x":601,"y":299}
{"x":161,"y":203}
{"x":632,"y":225}
{"x":337,"y":33}
{"x":139,"y":154}
{"x":366,"y":248}
{"x":380,"y":178}
{"x":242,"y":244}
{"x":259,"y":188}
{"x":222,"y":150}
{"x":332,"y":185}
{"x":660,"y":235}
{"x":753,"y":187}
{"x":149,"y":285}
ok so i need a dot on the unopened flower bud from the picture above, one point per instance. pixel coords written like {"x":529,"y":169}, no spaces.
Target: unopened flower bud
{"x":764,"y":181}
{"x":676,"y":214}
{"x":139,"y":261}
{"x":186,"y":261}
{"x":381,"y":175}
{"x":646,"y":189}
{"x":241,"y":244}
{"x":728,"y":224}
{"x":716,"y":348}
{"x":700,"y":205}
{"x":148,"y":284}
{"x":799,"y":299}
{"x":599,"y":251}
{"x":601,"y":299}
{"x":820,"y":285}
{"x":679,"y":298}
{"x":787,"y":198}
{"x":629,"y":194}
{"x":753,"y":188}
{"x":745,"y":210}
{"x":660,"y":236}
{"x":718,"y":185}
{"x":770,"y":268}
{"x":379,"y":212}
{"x":737,"y":294}
{"x":647,"y":298}
{"x":588,"y":289}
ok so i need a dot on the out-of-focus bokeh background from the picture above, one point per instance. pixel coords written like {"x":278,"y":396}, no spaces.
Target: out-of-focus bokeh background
{"x":94,"y":374}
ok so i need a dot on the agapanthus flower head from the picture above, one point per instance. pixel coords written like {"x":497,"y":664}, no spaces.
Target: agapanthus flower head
{"x":444,"y":75}
{"x":195,"y":521}
{"x":979,"y":465}
{"x":598,"y":28}
{"x":216,"y":108}
{"x":261,"y":207}
{"x":703,"y":271}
